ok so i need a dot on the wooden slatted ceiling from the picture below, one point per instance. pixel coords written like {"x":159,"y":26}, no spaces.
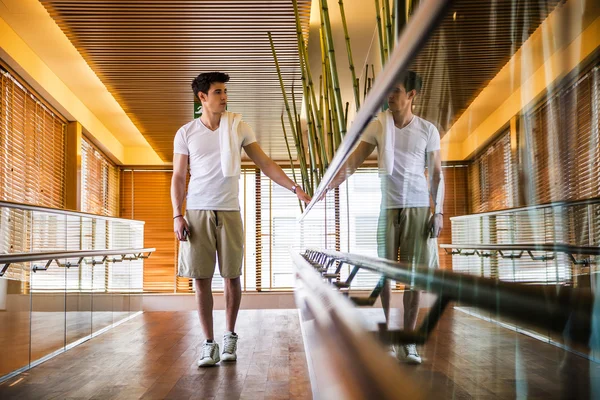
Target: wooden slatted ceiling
{"x":147,"y":53}
{"x":468,"y":49}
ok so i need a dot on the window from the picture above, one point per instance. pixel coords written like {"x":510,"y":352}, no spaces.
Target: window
{"x":99,"y":182}
{"x":32,"y":142}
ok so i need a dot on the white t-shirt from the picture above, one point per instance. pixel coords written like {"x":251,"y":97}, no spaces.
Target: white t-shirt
{"x":209,"y":189}
{"x":407,"y":186}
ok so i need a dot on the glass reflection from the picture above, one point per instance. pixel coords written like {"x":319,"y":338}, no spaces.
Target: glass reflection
{"x":489,"y":138}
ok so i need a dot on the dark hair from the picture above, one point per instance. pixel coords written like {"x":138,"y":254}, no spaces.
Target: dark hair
{"x":203,"y":81}
{"x":411,"y":81}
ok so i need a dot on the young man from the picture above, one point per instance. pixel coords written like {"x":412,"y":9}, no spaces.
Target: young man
{"x":212,"y":146}
{"x":406,"y":145}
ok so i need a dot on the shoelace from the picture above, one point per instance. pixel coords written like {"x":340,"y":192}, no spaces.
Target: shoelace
{"x":229,"y":344}
{"x":411,"y":350}
{"x":207,"y":350}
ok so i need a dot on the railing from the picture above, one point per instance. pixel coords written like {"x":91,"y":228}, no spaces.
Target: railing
{"x":31,"y":229}
{"x":344,"y":359}
{"x":89,"y":257}
{"x":507,"y":251}
{"x":563,"y":229}
{"x":563,"y":310}
{"x":65,"y":277}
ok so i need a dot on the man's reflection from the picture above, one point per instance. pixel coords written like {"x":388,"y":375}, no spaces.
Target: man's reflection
{"x":411,"y":216}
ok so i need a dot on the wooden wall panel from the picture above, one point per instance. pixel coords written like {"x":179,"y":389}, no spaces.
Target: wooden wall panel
{"x":145,"y":196}
{"x":456,"y":202}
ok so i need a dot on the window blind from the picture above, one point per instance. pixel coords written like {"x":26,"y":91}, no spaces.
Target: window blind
{"x":100,"y":181}
{"x":491,"y":177}
{"x":145,"y":196}
{"x":32,"y":141}
{"x":32,"y":163}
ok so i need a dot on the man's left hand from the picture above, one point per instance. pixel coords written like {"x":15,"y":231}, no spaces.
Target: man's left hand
{"x":436,"y":223}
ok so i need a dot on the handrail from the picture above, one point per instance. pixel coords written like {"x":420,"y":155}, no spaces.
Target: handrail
{"x":135,"y":254}
{"x":52,"y":210}
{"x":562,"y":203}
{"x":547,"y":247}
{"x":352,"y":365}
{"x":564,"y":310}
{"x":416,"y":33}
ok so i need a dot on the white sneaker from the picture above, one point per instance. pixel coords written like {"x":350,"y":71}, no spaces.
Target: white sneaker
{"x":210,"y":354}
{"x":229,"y":346}
{"x":408,"y":353}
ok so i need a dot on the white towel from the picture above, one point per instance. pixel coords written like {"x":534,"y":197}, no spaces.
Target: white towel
{"x":385,"y":152}
{"x":229,"y":143}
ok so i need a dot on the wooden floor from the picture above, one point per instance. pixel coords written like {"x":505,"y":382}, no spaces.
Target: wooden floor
{"x":154,"y":356}
{"x":469,"y":358}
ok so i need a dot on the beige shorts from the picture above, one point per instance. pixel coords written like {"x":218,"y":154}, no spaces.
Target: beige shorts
{"x":406,"y":230}
{"x":213,"y":235}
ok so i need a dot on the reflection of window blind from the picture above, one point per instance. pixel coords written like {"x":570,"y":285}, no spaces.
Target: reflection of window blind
{"x":360,"y":201}
{"x":491,"y":177}
{"x":100,"y":182}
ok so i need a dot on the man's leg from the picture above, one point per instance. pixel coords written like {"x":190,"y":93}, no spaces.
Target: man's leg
{"x":233,"y":298}
{"x":204,"y":301}
{"x":411,"y":308}
{"x":387,"y":247}
{"x":386,"y":295}
{"x":230,"y":252}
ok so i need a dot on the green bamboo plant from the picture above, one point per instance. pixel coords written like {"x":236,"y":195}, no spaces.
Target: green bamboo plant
{"x":327,"y":115}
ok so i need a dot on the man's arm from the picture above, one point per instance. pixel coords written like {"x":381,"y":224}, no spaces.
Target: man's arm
{"x":436,"y":189}
{"x":180,"y":164}
{"x":272,"y":170}
{"x":363,"y":150}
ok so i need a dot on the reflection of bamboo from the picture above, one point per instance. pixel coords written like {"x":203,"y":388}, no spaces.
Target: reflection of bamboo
{"x":287,"y":145}
{"x":339,"y":107}
{"x":350,"y":62}
{"x":382,"y":50}
{"x":386,"y":38}
{"x":393,"y":34}
{"x":365,"y":82}
{"x":309,"y":130}
{"x":372,"y":73}
{"x":316,"y":114}
{"x":346,"y":111}
{"x":297,"y":134}
{"x":388,"y":26}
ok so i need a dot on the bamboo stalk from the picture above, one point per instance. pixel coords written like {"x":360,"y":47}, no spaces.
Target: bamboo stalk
{"x":330,"y":135}
{"x":350,"y":61}
{"x":337,"y":132}
{"x":300,"y":139}
{"x":287,"y":145}
{"x":393,"y":33}
{"x":372,"y":73}
{"x":320,"y":137}
{"x":310,"y":174}
{"x":380,"y":32}
{"x":386,"y":38}
{"x":339,"y":108}
{"x":309,"y":90}
{"x":388,"y":26}
{"x":297,"y":135}
{"x":346,"y":111}
{"x":365,"y":82}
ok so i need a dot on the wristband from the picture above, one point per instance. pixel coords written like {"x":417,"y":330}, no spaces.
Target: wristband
{"x":177,"y":216}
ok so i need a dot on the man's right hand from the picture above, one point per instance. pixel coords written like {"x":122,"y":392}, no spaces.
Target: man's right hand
{"x":181,"y":229}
